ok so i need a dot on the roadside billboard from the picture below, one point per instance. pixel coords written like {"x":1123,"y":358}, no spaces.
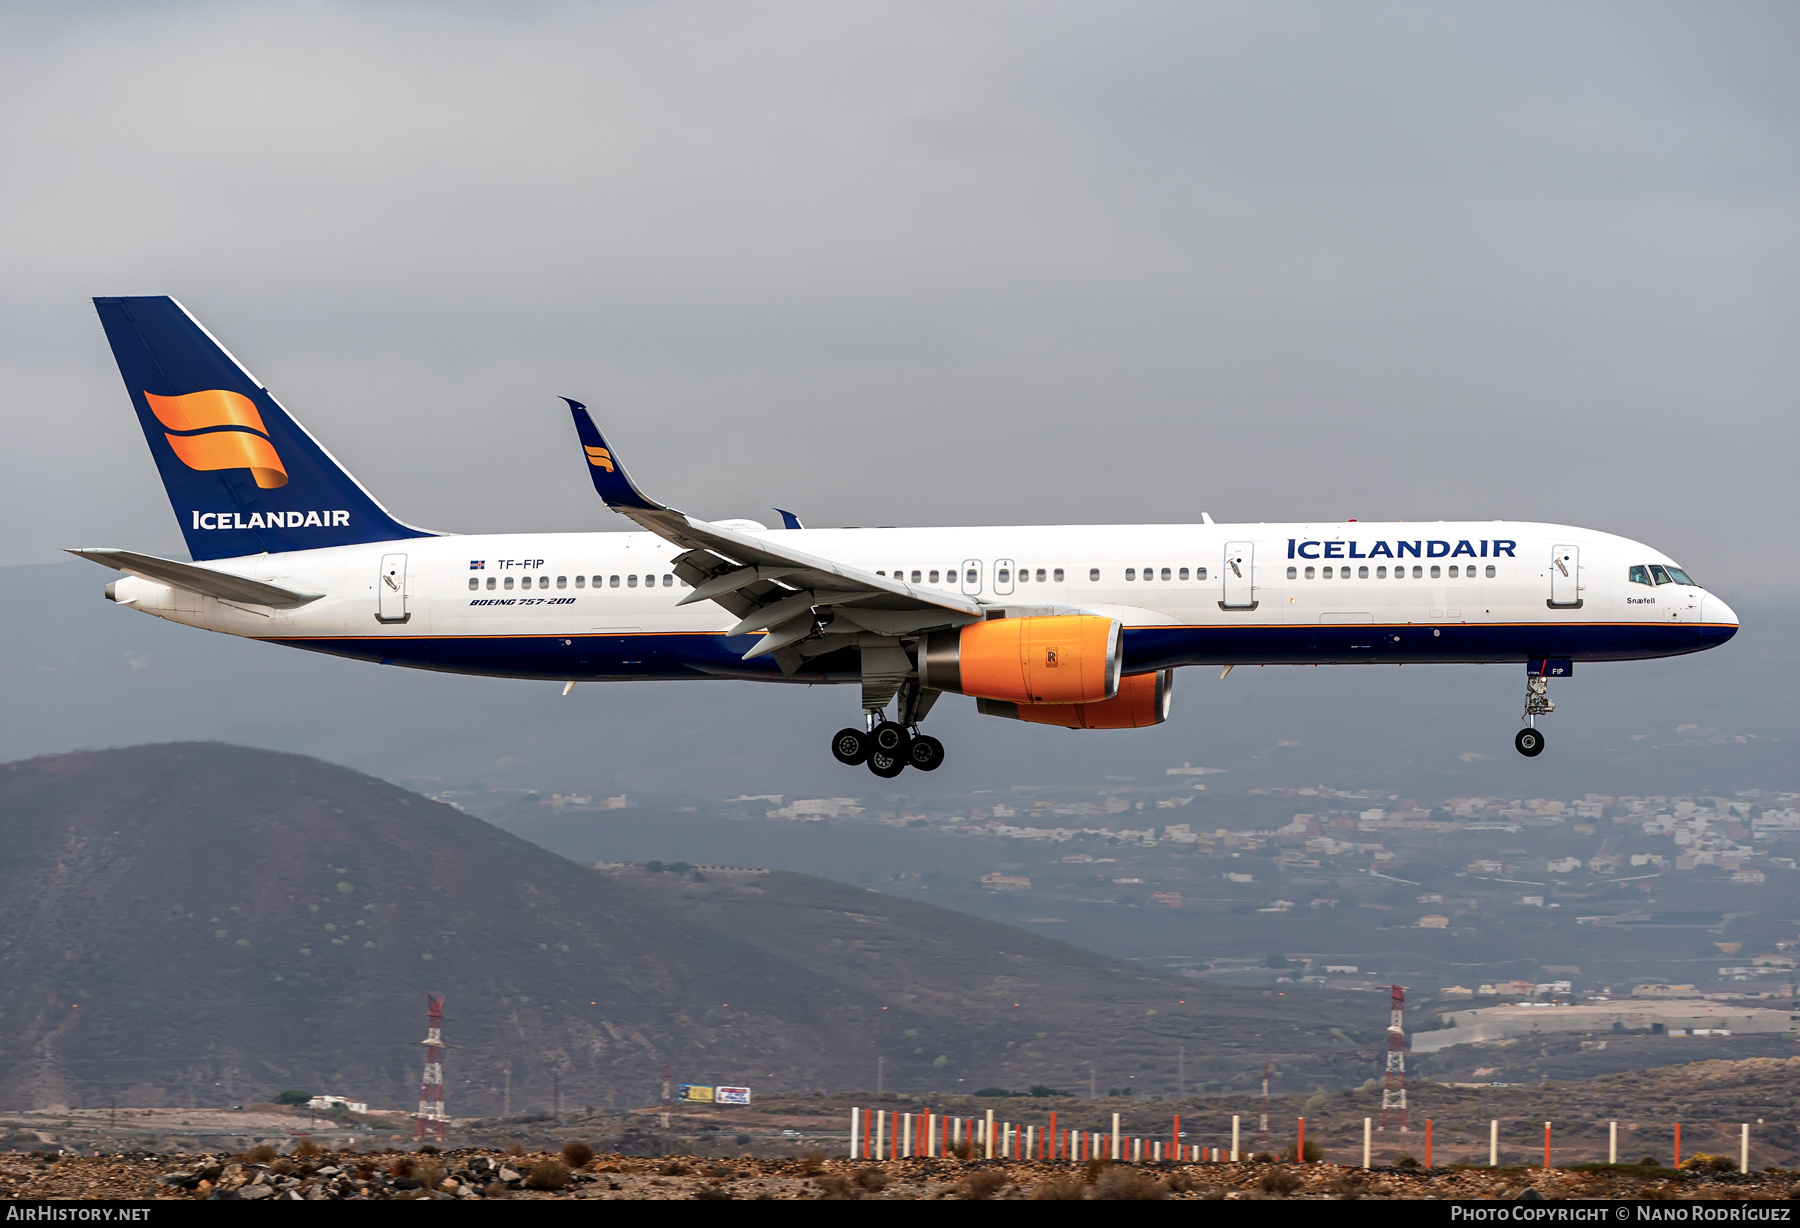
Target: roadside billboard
{"x":732,"y":1095}
{"x":688,"y":1091}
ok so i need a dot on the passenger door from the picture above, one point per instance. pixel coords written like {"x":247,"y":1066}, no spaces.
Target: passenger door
{"x":1239,"y":574}
{"x":1565,"y":578}
{"x":1003,"y":577}
{"x":390,"y":590}
{"x":970,"y":577}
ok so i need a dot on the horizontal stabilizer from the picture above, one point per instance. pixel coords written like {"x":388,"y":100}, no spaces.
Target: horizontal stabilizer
{"x":205,"y":580}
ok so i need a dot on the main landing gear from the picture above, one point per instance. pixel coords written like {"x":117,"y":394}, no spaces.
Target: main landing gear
{"x":1530,"y":740}
{"x":890,"y":747}
{"x":887,"y":747}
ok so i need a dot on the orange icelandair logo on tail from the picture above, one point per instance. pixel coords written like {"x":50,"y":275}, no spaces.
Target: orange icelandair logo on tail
{"x":599,"y":458}
{"x":217,"y":429}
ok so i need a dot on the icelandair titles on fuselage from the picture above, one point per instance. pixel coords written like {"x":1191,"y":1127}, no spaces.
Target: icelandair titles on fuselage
{"x":1484,"y":549}
{"x":270,"y":520}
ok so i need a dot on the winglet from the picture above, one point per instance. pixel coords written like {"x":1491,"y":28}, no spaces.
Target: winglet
{"x":788,"y":519}
{"x":610,"y":479}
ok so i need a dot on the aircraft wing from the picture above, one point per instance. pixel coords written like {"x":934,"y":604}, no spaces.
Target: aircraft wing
{"x":805,"y":604}
{"x":193,"y":576}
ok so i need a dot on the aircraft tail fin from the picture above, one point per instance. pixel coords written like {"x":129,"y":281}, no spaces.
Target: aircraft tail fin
{"x":243,"y":476}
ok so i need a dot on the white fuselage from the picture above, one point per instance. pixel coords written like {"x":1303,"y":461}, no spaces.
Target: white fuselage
{"x":604,"y":605}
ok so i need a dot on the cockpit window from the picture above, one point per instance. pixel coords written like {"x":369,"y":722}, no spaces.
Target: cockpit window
{"x":1640,"y":575}
{"x":1660,"y":574}
{"x":1679,"y":576}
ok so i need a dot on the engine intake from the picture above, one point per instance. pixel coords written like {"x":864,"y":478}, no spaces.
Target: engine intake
{"x":1041,"y":659}
{"x":1142,"y":701}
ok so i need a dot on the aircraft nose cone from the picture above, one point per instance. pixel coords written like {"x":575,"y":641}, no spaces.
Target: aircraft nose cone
{"x":1719,"y":620}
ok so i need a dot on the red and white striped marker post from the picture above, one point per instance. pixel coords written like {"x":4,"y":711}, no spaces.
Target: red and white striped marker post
{"x":1546,"y":1144}
{"x":1175,"y":1149}
{"x":1300,"y":1143}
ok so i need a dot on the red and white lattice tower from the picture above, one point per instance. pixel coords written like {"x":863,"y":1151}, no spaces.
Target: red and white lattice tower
{"x":1393,"y":1091}
{"x":431,"y":1122}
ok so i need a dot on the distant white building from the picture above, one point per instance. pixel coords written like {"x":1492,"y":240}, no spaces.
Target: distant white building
{"x":337,"y":1102}
{"x":815,"y":809}
{"x":1434,"y":921}
{"x":1564,"y":865}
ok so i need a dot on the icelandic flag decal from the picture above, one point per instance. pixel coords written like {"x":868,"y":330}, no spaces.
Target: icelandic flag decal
{"x":477,"y":564}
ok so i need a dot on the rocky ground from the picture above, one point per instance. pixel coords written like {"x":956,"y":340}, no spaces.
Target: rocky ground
{"x":474,"y":1174}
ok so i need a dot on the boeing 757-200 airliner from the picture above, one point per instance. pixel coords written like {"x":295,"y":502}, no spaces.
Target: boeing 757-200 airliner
{"x":1081,"y":626}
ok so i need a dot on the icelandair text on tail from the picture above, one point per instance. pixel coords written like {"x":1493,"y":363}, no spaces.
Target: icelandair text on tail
{"x":270,"y":520}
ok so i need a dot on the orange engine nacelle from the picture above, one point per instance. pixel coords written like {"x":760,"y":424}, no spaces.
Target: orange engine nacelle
{"x":1142,"y":701}
{"x":1043,"y":659}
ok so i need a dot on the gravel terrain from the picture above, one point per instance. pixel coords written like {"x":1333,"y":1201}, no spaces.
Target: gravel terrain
{"x":475,"y":1174}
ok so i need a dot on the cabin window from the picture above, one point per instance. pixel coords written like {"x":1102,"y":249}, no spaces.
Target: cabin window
{"x":1678,"y":575}
{"x":1094,"y":574}
{"x":1325,"y":572}
{"x":580,"y":581}
{"x":1362,"y":573}
{"x":934,"y":575}
{"x":1660,"y":574}
{"x":1309,"y":573}
{"x":915,"y":577}
{"x":1005,"y":576}
{"x":474,"y":583}
{"x":1184,"y":573}
{"x":490,"y":582}
{"x":1131,"y":573}
{"x":1057,"y":575}
{"x":668,"y":581}
{"x":1490,"y":571}
{"x":1640,"y":575}
{"x":1040,"y":575}
{"x":1293,"y":573}
{"x":1199,"y":573}
{"x":509,"y":582}
{"x":630,"y":581}
{"x":1165,"y":574}
{"x":1435,"y":571}
{"x":612,"y":581}
{"x":1381,"y":573}
{"x":1453,"y":571}
{"x":598,"y":580}
{"x":543,"y":581}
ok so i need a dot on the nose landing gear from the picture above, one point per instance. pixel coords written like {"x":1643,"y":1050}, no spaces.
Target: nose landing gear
{"x":1530,"y":740}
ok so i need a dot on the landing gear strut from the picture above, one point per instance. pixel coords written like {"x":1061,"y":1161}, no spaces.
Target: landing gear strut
{"x":1530,"y":740}
{"x":890,"y":747}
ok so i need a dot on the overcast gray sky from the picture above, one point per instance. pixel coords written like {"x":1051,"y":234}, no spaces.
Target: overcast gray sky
{"x":931,"y":263}
{"x":918,"y":263}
